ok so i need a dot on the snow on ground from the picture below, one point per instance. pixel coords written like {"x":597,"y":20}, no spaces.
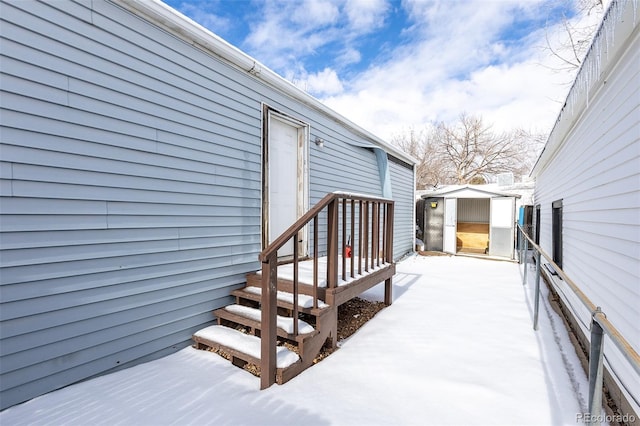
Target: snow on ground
{"x":456,"y":347}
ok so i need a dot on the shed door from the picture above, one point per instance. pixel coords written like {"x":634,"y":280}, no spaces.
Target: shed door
{"x":433,"y":224}
{"x":450,"y":224}
{"x":285,"y":190}
{"x":501,"y":226}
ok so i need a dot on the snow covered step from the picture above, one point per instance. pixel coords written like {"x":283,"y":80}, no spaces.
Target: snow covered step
{"x":252,"y":317}
{"x":285,"y":299}
{"x":241,"y":345}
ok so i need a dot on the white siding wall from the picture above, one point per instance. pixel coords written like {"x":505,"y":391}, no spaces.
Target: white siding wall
{"x":596,"y":173}
{"x":130,"y":179}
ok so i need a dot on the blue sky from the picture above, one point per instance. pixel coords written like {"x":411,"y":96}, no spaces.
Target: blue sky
{"x":391,"y":65}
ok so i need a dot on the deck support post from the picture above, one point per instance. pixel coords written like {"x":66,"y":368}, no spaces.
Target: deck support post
{"x":269,"y":332}
{"x":388,"y":232}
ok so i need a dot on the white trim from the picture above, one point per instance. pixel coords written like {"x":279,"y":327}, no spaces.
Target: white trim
{"x":302,"y":198}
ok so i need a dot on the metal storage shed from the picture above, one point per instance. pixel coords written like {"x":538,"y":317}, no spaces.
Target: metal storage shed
{"x":466,"y":219}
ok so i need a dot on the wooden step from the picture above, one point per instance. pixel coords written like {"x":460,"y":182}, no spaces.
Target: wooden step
{"x":244,"y":348}
{"x":285,"y":300}
{"x":251,"y":317}
{"x":255,"y":280}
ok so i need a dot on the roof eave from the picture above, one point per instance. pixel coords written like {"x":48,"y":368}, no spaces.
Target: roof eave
{"x":195,"y":34}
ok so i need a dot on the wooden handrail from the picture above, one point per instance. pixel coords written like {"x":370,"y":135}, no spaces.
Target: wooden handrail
{"x":308,"y":216}
{"x":375,"y":244}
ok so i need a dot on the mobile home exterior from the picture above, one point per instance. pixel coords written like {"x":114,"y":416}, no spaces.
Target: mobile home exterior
{"x":587,"y":192}
{"x":144,"y":166}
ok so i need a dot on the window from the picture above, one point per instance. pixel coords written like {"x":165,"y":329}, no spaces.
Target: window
{"x":536,"y":231}
{"x":556,"y":229}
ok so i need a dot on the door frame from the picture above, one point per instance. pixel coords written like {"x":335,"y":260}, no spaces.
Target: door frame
{"x":450,"y":226}
{"x":302,"y":202}
{"x":494,"y":216}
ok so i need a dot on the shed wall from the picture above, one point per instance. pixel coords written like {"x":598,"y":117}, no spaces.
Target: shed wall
{"x":473,"y":210}
{"x":131,"y":188}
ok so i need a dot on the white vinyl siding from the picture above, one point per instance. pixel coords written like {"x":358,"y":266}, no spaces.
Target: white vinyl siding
{"x":596,"y":174}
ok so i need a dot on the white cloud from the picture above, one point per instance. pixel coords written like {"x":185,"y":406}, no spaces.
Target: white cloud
{"x":315,"y":13}
{"x":366,"y":15}
{"x":457,"y":63}
{"x":348,"y":56}
{"x":211,"y":21}
{"x":325,"y":82}
{"x":456,"y":56}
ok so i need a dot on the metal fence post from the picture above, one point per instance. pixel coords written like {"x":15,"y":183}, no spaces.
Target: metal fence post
{"x":537,"y":300}
{"x":595,"y":368}
{"x":526,"y":250}
{"x":520,"y":238}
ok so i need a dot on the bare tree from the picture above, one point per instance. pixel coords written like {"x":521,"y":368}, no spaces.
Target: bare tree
{"x":468,"y":151}
{"x":474,"y":150}
{"x":432,"y":168}
{"x":577,"y":33}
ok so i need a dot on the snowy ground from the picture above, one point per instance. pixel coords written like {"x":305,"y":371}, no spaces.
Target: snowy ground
{"x":456,"y":347}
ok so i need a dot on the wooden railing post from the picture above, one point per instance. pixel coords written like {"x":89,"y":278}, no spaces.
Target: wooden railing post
{"x":295,"y":285}
{"x":315,"y":262}
{"x":344,"y":240}
{"x":332,"y":244}
{"x":353,"y":236}
{"x":382,"y":218}
{"x":360,"y":232}
{"x":388,"y":284}
{"x":374,"y":233}
{"x":365,"y":232}
{"x":268,"y":332}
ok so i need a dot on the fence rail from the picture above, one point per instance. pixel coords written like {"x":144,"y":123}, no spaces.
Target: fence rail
{"x":600,"y":325}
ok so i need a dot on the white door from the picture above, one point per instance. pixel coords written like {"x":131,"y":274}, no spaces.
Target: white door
{"x":450,"y":225}
{"x":501,"y":226}
{"x":286,"y":178}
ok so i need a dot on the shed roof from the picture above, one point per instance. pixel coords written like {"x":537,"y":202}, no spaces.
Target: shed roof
{"x":196,"y":35}
{"x":468,"y":191}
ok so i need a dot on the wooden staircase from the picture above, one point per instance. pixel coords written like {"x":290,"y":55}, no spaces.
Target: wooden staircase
{"x":281,"y":305}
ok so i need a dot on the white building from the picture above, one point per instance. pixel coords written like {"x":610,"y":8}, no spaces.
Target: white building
{"x":587,"y":193}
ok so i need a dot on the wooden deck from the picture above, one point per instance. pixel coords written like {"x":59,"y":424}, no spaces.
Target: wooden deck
{"x":270,"y":306}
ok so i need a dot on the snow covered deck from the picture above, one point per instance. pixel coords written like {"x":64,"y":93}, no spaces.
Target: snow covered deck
{"x":456,"y":347}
